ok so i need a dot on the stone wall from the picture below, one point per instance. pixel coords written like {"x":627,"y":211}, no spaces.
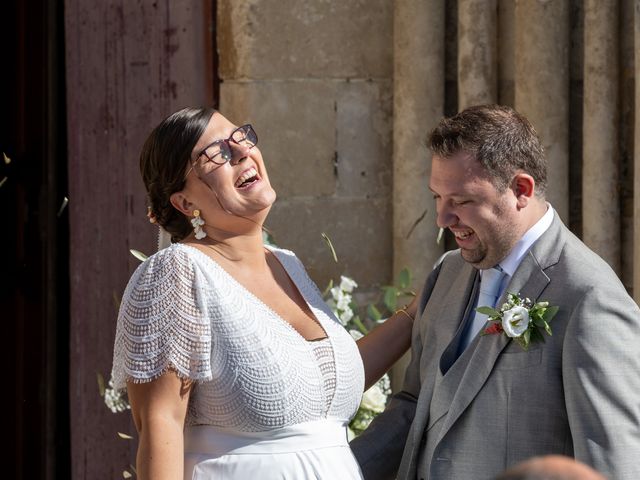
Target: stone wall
{"x":315,"y":79}
{"x":343,"y":94}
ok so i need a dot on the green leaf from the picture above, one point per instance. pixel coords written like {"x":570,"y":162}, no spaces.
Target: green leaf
{"x":373,"y":313}
{"x":138,"y":254}
{"x":101,"y":387}
{"x":550,"y":313}
{"x":391,"y":298}
{"x":536,"y":336}
{"x":404,"y":280}
{"x":526,"y":336}
{"x":537,"y":321}
{"x":488,"y":311}
{"x":359,"y":325}
{"x":522,"y":343}
{"x":125,"y":436}
{"x":408,"y":293}
{"x":547,"y":328}
{"x":330,"y":245}
{"x":440,"y":235}
{"x":328,"y":289}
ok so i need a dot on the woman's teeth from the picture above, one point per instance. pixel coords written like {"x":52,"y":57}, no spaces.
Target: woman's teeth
{"x":249,"y":174}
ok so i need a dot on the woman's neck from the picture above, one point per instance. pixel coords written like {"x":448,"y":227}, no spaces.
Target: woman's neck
{"x":244,"y":250}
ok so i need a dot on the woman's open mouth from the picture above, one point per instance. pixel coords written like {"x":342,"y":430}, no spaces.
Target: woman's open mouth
{"x":248,"y":178}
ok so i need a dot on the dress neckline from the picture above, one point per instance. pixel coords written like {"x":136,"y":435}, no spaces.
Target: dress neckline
{"x":232,"y":279}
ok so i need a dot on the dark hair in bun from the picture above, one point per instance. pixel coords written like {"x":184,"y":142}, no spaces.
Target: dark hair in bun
{"x":164,"y":161}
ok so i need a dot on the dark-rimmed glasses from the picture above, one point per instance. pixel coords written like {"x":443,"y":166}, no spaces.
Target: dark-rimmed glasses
{"x":220,"y":151}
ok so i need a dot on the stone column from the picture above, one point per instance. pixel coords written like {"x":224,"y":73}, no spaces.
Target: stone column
{"x":600,"y":201}
{"x":418,"y":104}
{"x":542,"y":86}
{"x":477,"y":65}
{"x":505,"y":52}
{"x":636,"y":156}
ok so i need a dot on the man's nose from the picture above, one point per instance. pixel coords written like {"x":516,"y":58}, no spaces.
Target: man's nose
{"x":445,"y":218}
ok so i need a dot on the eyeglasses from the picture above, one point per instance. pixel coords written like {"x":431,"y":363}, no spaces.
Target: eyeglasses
{"x":244,"y":136}
{"x":220,"y":152}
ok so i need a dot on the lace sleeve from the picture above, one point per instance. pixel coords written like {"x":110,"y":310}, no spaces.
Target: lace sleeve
{"x":162,"y":323}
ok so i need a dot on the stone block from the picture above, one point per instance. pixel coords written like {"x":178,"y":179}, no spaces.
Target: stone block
{"x":276,"y":39}
{"x":364,"y":131}
{"x":296,"y":126}
{"x":360,"y":231}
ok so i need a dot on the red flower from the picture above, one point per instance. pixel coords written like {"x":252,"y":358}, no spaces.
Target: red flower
{"x":495,"y":327}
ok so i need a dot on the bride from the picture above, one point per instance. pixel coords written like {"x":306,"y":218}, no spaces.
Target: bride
{"x":234,"y":366}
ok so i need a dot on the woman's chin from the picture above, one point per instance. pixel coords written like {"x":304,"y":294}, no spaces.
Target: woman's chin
{"x":266,"y":197}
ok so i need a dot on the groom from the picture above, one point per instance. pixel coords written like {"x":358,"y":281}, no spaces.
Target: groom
{"x":475,"y":403}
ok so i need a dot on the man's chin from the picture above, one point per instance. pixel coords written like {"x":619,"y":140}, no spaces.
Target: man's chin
{"x":477,"y":259}
{"x":471,"y":256}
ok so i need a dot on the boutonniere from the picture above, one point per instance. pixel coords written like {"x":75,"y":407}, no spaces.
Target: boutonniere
{"x":520,"y":319}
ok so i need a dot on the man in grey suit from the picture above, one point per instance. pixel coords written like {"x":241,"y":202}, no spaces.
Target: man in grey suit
{"x":475,"y":403}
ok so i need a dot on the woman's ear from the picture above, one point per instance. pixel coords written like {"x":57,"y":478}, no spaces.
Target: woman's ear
{"x":523,"y":186}
{"x":181,"y":203}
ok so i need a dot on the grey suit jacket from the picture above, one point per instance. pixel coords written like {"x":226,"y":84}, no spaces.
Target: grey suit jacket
{"x":576,"y":394}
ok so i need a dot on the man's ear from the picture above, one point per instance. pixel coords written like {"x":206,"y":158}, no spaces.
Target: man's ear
{"x":524,"y":187}
{"x":181,"y":203}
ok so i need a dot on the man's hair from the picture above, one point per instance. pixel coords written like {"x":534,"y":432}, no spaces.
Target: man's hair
{"x":502,"y":140}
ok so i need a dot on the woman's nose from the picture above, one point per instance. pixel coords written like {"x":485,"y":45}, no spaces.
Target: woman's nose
{"x":238,"y":152}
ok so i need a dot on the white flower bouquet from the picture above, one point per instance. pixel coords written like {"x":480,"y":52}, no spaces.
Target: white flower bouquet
{"x":340,"y":300}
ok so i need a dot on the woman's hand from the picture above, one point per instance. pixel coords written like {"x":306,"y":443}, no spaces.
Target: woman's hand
{"x":159,"y":409}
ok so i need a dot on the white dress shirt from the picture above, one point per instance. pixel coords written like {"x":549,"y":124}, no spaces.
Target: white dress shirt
{"x":511,"y":262}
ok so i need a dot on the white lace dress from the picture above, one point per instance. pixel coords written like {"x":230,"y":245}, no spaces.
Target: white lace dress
{"x":268,"y":404}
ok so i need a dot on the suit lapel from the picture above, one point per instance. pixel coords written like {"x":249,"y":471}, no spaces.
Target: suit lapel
{"x":450,"y":353}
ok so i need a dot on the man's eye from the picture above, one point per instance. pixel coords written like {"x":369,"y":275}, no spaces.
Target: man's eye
{"x":462,"y":202}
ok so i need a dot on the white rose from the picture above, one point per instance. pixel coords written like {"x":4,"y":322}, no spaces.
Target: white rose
{"x":343,"y":302}
{"x":515,"y":321}
{"x":346,"y":315}
{"x":347,"y":284}
{"x":337,"y":293}
{"x":374,"y":399}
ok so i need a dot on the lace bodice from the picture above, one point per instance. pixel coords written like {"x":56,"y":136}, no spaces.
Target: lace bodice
{"x":254,"y":371}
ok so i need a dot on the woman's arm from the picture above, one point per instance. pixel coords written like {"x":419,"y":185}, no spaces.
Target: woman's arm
{"x":159,"y":409}
{"x":383,"y":346}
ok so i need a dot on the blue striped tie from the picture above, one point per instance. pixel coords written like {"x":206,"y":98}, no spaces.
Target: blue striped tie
{"x":490,"y":282}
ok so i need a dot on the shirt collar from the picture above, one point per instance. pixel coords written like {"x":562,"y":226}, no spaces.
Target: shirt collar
{"x":512,"y":261}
